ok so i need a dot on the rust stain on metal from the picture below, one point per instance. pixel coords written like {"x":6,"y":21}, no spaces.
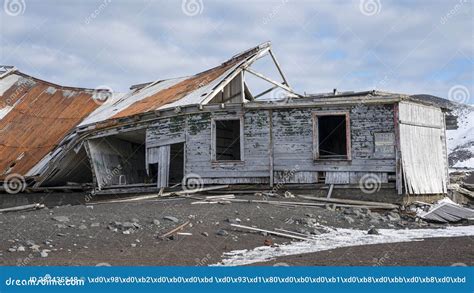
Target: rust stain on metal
{"x":180,"y":90}
{"x":41,"y":116}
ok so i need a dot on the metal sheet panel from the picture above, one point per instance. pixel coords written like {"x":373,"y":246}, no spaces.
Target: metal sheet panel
{"x":421,"y":149}
{"x":35,"y":117}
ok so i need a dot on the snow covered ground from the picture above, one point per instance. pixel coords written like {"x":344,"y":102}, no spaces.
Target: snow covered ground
{"x":339,"y":238}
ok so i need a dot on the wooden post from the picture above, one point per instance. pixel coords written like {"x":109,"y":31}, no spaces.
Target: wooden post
{"x":270,"y":149}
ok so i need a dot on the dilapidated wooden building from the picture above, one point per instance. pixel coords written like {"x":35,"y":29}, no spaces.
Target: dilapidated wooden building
{"x":212,"y":129}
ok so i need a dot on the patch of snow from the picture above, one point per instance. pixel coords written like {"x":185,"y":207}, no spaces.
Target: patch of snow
{"x":460,"y":141}
{"x":469,"y":164}
{"x":339,"y":238}
{"x":8,"y":82}
{"x":465,"y":132}
{"x":5,"y":111}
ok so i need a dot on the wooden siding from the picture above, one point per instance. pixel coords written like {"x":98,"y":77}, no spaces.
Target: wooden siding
{"x":254,"y":168}
{"x":293,"y":141}
{"x":285,"y":146}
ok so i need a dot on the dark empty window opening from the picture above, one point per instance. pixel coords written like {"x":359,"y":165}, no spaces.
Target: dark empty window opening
{"x":332,"y":137}
{"x":152,"y":173}
{"x":176,"y":163}
{"x":227,"y":140}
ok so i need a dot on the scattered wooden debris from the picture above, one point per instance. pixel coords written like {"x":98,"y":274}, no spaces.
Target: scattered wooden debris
{"x":467,"y":186}
{"x":331,"y":187}
{"x":224,"y":196}
{"x":288,"y":194}
{"x":312,"y":204}
{"x":161,"y":194}
{"x":291,"y":232}
{"x":175,"y":230}
{"x":465,"y":191}
{"x":191,"y":191}
{"x":447,"y":212}
{"x":281,"y":234}
{"x":351,"y":202}
{"x":34,"y":206}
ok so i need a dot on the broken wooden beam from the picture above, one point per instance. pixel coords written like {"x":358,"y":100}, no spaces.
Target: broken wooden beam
{"x":161,"y":194}
{"x":272,"y":232}
{"x":34,"y":206}
{"x":331,"y":187}
{"x":292,"y":232}
{"x":171,"y":232}
{"x":312,"y":204}
{"x":220,"y":196}
{"x":350,"y":201}
{"x":191,"y":191}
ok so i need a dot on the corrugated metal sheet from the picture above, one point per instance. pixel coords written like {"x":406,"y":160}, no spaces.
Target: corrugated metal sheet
{"x":421,"y":149}
{"x":36,"y":116}
{"x":168,"y":93}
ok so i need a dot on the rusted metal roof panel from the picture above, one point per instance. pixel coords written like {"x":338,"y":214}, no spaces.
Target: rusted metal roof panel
{"x":38,"y":116}
{"x":175,"y":92}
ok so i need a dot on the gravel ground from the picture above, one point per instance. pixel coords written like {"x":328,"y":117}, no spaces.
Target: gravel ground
{"x":127,"y":233}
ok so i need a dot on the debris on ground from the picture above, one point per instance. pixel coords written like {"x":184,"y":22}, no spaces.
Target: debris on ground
{"x":373,"y":231}
{"x":28,"y":207}
{"x":281,"y":234}
{"x":222,"y":232}
{"x":172,"y":232}
{"x":288,"y":194}
{"x":171,"y":218}
{"x":61,"y":219}
{"x":445,"y":211}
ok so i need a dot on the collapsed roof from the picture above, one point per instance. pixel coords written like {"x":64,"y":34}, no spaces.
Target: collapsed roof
{"x":37,"y":116}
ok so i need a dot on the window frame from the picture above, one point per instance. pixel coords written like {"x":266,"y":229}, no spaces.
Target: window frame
{"x":315,"y":115}
{"x":213,"y":140}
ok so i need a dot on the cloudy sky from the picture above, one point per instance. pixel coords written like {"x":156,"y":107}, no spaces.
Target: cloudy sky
{"x":400,"y":46}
